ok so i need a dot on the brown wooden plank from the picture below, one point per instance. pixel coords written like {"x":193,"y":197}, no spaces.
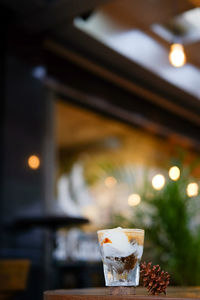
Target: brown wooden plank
{"x":177,"y":293}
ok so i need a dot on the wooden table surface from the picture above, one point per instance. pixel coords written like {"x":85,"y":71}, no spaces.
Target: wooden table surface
{"x":189,"y":293}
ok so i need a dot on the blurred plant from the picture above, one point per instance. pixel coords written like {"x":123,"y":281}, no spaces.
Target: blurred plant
{"x":170,"y":219}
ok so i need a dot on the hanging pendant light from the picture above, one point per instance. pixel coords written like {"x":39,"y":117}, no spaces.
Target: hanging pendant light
{"x":177,"y":56}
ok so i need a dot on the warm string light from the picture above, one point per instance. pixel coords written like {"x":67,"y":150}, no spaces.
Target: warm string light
{"x":158,"y":182}
{"x":174,"y":173}
{"x":177,"y":55}
{"x":110,"y":181}
{"x":192,"y":189}
{"x":134,"y":199}
{"x":33,"y":162}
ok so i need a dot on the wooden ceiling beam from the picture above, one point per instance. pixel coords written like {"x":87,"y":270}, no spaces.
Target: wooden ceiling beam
{"x":124,"y":83}
{"x":82,"y":88}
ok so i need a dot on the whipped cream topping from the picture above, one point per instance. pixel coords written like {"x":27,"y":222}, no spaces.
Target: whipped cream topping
{"x":115,"y":243}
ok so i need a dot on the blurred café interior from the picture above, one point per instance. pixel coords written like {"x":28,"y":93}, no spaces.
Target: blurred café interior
{"x":100,"y":113}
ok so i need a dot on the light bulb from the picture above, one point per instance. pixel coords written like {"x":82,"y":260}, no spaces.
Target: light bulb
{"x":174,"y":173}
{"x":177,"y":55}
{"x":158,"y":182}
{"x":192,"y":189}
{"x":110,"y":181}
{"x":33,"y":162}
{"x":134,"y":199}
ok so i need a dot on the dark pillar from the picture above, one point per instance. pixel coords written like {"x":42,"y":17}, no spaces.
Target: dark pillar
{"x":25,"y":133}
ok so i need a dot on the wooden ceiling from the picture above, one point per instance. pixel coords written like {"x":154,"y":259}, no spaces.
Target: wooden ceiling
{"x":43,"y":14}
{"x":39,"y":17}
{"x":144,"y":13}
{"x":76,"y":126}
{"x":34,"y":26}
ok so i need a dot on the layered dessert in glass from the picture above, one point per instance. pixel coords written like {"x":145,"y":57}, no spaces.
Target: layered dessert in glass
{"x":121,"y":251}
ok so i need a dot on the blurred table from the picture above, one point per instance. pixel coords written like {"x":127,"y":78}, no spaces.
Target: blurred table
{"x":51,"y":223}
{"x":189,"y":293}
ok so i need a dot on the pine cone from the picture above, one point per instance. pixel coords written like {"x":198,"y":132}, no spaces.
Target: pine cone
{"x":155,"y":280}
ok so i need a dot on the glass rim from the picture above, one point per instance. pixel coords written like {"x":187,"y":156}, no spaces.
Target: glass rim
{"x":132,"y":230}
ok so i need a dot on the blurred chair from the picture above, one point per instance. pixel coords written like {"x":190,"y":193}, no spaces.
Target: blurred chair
{"x":13,"y":277}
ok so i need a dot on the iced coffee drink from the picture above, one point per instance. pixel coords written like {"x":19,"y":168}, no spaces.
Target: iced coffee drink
{"x":121,"y":251}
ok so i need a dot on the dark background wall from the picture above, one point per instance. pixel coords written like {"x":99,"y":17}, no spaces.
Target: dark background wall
{"x":24,"y":132}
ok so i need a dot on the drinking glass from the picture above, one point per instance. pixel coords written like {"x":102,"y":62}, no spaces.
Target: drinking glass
{"x":121,"y":252}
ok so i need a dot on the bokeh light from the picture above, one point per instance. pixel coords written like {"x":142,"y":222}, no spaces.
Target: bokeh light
{"x":110,"y":181}
{"x":177,"y":55}
{"x":33,"y":162}
{"x":134,"y":199}
{"x":174,"y":173}
{"x":192,"y":189}
{"x":158,"y":182}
